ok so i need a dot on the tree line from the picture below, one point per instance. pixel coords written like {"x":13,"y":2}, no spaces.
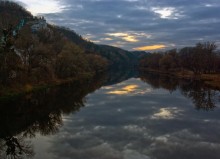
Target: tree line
{"x":203,"y":58}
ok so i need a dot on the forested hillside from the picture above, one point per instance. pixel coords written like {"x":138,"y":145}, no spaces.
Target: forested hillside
{"x":33,"y":52}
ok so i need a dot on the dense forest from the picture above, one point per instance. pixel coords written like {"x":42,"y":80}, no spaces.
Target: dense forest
{"x":33,"y":52}
{"x":204,"y":58}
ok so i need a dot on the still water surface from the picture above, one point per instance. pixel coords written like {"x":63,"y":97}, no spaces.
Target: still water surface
{"x":115,"y":117}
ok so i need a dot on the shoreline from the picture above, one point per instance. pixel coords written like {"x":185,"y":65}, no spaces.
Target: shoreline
{"x":9,"y":92}
{"x":211,"y":80}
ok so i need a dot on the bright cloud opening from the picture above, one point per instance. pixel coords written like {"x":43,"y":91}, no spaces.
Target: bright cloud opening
{"x":166,"y":13}
{"x":45,"y":6}
{"x":124,"y":36}
{"x":150,"y":47}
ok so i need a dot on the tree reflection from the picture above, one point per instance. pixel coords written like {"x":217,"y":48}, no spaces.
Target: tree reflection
{"x":159,"y":81}
{"x":117,"y":75}
{"x":15,"y":148}
{"x":202,"y":96}
{"x":39,"y":112}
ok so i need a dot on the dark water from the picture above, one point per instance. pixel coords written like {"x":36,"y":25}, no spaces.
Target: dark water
{"x":116,"y":116}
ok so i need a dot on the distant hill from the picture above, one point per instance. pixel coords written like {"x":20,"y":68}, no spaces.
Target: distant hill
{"x":139,"y":54}
{"x":116,"y":56}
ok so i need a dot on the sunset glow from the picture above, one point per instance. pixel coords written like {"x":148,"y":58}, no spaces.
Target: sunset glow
{"x":124,"y":36}
{"x":150,"y":47}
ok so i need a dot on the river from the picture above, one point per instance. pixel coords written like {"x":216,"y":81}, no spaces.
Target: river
{"x":115,"y":116}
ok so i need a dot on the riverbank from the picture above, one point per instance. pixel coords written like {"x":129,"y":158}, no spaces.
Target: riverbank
{"x":211,"y":80}
{"x":21,"y":89}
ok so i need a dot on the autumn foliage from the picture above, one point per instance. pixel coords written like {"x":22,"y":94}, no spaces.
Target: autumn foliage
{"x":200,"y":59}
{"x":28,"y":57}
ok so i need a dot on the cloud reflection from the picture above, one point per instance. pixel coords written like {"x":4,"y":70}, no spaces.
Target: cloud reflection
{"x":141,"y":129}
{"x":129,"y":90}
{"x":166,"y":113}
{"x":125,"y":90}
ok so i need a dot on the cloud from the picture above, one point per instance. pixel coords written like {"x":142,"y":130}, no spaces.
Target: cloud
{"x":181,"y":22}
{"x":42,"y":7}
{"x":167,"y":12}
{"x":107,"y":39}
{"x":150,"y":47}
{"x":124,"y":36}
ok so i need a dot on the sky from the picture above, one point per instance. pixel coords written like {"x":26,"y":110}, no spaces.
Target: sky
{"x":144,"y":25}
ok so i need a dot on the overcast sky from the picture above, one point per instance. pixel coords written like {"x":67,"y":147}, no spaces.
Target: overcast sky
{"x":135,"y":24}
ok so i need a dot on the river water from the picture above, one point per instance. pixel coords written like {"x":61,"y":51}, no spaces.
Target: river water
{"x":116,"y":116}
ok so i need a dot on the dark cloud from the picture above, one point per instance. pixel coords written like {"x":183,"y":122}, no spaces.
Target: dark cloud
{"x":172,"y":23}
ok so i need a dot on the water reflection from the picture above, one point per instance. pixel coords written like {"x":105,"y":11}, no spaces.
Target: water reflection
{"x":15,"y":147}
{"x":202,"y":96}
{"x":125,"y":118}
{"x":39,"y":112}
{"x":125,"y":90}
{"x":156,"y":124}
